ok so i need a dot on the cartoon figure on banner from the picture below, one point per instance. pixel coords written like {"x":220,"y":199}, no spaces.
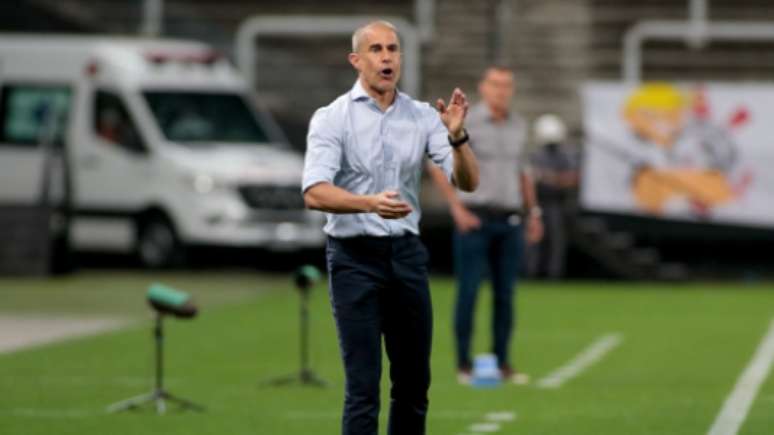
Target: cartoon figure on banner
{"x":683,"y":160}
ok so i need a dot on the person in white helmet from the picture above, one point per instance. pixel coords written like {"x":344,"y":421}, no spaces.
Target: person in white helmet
{"x":555,"y":167}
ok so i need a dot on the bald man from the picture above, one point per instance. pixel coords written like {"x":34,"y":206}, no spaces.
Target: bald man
{"x":364,"y":158}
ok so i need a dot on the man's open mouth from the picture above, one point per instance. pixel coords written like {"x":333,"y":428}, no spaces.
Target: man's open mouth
{"x":386,"y":73}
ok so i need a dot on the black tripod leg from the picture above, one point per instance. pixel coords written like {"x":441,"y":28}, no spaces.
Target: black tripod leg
{"x":282,"y":380}
{"x":132,"y":402}
{"x":305,"y":376}
{"x":158,"y":397}
{"x":184,"y":403}
{"x":309,"y":377}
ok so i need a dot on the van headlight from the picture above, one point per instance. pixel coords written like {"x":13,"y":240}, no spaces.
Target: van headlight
{"x":203,"y":183}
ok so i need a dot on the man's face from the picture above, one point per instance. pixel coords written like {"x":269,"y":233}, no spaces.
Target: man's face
{"x":377,"y":59}
{"x":496,"y":89}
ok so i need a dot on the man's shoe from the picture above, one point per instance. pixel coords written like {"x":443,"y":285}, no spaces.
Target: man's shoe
{"x":464,"y":376}
{"x":508,"y":374}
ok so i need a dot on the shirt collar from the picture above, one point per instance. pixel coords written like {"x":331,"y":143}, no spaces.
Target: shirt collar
{"x":358,"y":93}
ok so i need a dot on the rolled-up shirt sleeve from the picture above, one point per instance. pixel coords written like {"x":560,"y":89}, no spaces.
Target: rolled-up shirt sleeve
{"x":438,"y":148}
{"x":323,"y":150}
{"x":524,"y":161}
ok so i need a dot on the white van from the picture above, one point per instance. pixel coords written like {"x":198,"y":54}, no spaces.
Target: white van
{"x":163,"y":144}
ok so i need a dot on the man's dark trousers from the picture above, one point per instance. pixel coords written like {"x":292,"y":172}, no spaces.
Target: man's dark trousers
{"x":497,"y":246}
{"x":378,"y":286}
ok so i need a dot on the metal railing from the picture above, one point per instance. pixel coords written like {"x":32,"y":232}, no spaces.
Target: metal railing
{"x":697,"y":31}
{"x":306,"y":26}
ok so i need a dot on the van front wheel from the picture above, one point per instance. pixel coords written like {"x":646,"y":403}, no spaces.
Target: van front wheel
{"x":157,"y":243}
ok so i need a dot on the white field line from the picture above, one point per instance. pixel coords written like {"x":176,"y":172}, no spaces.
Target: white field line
{"x":491,"y":423}
{"x":485,"y":427}
{"x":502,"y":416}
{"x":21,"y":332}
{"x":49,"y":413}
{"x":590,"y":355}
{"x":738,"y":403}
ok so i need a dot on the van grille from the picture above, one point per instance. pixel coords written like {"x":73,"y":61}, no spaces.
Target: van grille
{"x":272,"y":197}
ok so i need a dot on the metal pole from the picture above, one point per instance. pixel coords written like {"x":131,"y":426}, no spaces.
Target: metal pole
{"x":424,"y":16}
{"x":159,"y":335}
{"x":152,"y":18}
{"x":632,"y":56}
{"x":697,"y":13}
{"x":503,"y":21}
{"x":304,"y":331}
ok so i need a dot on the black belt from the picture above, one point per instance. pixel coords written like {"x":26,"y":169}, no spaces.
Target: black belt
{"x":365,"y":238}
{"x":484,"y":212}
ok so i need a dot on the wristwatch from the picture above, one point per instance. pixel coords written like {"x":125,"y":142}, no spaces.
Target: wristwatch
{"x":535,"y":211}
{"x":456,"y":143}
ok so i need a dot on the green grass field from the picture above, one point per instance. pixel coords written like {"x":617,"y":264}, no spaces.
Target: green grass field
{"x":683,"y":348}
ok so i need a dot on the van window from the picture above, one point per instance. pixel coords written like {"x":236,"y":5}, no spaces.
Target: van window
{"x":32,"y":114}
{"x":190,"y":117}
{"x":113,"y":124}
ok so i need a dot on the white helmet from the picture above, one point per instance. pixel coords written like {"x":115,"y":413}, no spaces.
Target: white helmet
{"x":549,"y":128}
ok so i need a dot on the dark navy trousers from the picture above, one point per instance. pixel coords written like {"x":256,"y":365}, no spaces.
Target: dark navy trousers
{"x":496,"y":248}
{"x":379,"y":288}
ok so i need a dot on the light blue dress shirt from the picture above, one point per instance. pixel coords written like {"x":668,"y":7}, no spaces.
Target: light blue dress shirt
{"x":356,"y":146}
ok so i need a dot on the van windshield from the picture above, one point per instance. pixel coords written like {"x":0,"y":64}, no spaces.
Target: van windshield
{"x":204,"y":117}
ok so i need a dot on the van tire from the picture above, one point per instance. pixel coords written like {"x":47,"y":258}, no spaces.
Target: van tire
{"x":158,"y":246}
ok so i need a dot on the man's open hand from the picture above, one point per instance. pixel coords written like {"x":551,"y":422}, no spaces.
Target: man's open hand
{"x":453,"y":115}
{"x":464,"y":220}
{"x":535,"y":229}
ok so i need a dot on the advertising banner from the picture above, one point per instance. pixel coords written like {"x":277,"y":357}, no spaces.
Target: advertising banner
{"x":696,"y":152}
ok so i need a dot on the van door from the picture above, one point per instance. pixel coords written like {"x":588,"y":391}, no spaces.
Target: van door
{"x":33,"y":121}
{"x":34,"y":180}
{"x":112,"y":176}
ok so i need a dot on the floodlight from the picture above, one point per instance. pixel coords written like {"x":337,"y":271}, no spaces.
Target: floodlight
{"x":305,"y":278}
{"x":165,"y":301}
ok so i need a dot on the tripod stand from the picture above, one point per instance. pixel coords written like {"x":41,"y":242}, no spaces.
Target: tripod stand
{"x":159,"y":395}
{"x":305,"y":376}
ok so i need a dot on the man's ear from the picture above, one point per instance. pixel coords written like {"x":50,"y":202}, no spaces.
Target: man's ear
{"x":354,"y":60}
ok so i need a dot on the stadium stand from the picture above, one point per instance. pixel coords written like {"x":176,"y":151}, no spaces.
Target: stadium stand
{"x":554,"y":45}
